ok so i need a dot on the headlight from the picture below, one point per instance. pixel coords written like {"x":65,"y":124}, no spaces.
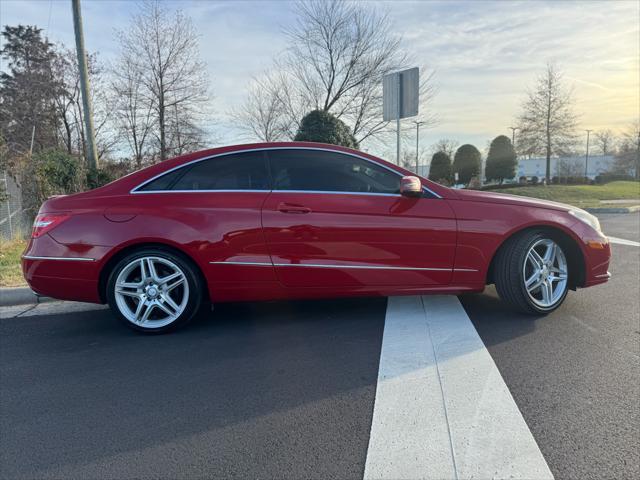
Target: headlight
{"x":587,"y":218}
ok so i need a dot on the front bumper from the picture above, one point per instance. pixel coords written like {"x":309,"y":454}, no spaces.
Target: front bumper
{"x":597,"y":256}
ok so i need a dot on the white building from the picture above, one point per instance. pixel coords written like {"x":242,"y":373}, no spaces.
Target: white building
{"x":560,"y":166}
{"x":564,"y":166}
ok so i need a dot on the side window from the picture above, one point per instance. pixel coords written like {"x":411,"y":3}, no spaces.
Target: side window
{"x":324,"y":171}
{"x":240,"y":171}
{"x":163,"y":182}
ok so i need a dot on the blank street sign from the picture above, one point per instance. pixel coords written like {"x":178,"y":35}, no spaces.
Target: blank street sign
{"x":409,"y":83}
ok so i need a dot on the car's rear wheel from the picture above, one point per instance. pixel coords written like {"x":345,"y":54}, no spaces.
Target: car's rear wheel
{"x":532,"y":273}
{"x":154,"y":290}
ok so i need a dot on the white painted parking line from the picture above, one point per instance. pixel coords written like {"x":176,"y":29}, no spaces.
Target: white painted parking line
{"x":622,"y":241}
{"x":442,"y":409}
{"x":409,"y":434}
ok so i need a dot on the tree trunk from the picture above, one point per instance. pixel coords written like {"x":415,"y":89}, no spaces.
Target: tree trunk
{"x":163,"y":139}
{"x":548,"y":173}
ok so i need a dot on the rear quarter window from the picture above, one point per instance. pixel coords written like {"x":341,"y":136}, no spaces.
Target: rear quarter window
{"x":240,"y":171}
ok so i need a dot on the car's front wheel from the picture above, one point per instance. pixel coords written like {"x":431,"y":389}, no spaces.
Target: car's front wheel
{"x":153,"y":290}
{"x":532,"y":273}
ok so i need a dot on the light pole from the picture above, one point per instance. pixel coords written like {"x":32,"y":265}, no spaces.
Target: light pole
{"x":513,"y":141}
{"x":418,"y":123}
{"x":586,"y":157}
{"x":513,"y":135}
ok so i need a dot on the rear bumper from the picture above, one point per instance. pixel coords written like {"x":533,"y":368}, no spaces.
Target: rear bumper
{"x":54,"y":270}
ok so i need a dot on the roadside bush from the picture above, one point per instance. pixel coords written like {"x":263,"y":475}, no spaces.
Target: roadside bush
{"x":467,"y":163}
{"x":522,"y":180}
{"x":501,"y":186}
{"x":474,"y":183}
{"x":57,"y":173}
{"x":98,"y":177}
{"x":501,"y":160}
{"x":440,"y":168}
{"x":443,"y":181}
{"x":613,"y":177}
{"x":576,"y":180}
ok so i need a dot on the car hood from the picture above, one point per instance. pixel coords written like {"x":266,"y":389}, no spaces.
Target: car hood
{"x":506,"y":199}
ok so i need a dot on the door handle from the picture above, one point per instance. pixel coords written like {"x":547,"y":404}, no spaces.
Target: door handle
{"x":291,"y":208}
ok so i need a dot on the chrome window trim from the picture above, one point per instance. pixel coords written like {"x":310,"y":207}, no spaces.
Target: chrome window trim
{"x":134,"y":190}
{"x":202,"y":191}
{"x":75,"y":259}
{"x":360,"y":267}
{"x":329,"y":192}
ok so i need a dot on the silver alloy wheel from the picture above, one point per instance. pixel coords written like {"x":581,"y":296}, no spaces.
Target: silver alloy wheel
{"x":545,"y":273}
{"x":151,"y":292}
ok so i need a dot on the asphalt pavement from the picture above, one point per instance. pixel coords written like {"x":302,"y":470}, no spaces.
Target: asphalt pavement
{"x":575,"y":374}
{"x":288,"y":389}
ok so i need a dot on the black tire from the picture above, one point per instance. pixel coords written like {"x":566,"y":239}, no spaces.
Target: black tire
{"x":508,"y":273}
{"x":194,"y":295}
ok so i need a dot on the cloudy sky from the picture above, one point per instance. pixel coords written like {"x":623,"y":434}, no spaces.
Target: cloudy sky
{"x":485,"y":54}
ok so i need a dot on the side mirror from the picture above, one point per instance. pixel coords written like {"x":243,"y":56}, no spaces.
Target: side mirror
{"x":410,"y":186}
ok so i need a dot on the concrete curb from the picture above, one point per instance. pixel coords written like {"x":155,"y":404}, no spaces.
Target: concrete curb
{"x":632,"y":209}
{"x":20,"y":296}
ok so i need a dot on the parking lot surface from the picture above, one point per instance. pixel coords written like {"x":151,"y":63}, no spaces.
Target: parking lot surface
{"x":315,"y":389}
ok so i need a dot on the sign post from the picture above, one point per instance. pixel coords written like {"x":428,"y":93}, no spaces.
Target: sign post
{"x":400,"y":98}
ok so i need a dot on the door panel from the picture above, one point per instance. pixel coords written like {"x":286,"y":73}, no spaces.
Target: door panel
{"x":343,"y":239}
{"x":212,"y":207}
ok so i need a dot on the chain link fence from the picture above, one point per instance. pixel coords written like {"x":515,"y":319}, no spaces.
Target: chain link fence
{"x":14,"y":221}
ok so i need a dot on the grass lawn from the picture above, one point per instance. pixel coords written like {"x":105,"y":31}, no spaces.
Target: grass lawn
{"x":580,"y":195}
{"x":10,"y":270}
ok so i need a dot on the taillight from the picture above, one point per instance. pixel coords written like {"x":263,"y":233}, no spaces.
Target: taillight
{"x":47,"y":221}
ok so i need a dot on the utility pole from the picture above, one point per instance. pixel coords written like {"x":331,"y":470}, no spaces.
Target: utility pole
{"x":398,"y":113}
{"x":91,"y":152}
{"x":418,"y":123}
{"x":586,"y":157}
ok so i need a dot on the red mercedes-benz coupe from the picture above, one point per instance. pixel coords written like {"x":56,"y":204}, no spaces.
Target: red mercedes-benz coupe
{"x":301,"y":220}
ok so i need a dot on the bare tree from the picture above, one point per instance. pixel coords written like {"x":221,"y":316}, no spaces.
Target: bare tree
{"x":186,"y":132}
{"x":162,"y":46}
{"x":338,"y":53}
{"x":446,"y":145}
{"x":547,"y":122}
{"x":68,"y":103}
{"x":628,"y":155}
{"x":264,"y":114}
{"x":605,"y":140}
{"x":569,"y":167}
{"x":133,"y":111}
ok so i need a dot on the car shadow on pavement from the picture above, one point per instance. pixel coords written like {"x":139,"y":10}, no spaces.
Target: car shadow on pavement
{"x":495,"y":321}
{"x":276,"y":379}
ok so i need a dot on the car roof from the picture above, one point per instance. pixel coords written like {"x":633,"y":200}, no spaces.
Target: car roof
{"x":131,"y":181}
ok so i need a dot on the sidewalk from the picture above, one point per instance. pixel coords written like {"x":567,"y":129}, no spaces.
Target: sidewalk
{"x":51,"y":307}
